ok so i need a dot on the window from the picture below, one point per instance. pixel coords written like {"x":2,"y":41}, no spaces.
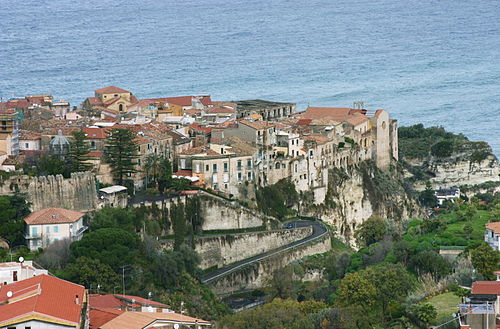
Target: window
{"x":56,"y":229}
{"x":207,"y":168}
{"x":47,"y":230}
{"x":239,"y":164}
{"x":34,"y":231}
{"x":249,"y":164}
{"x":92,"y":145}
{"x":197,"y":168}
{"x":14,"y":276}
{"x":27,"y":145}
{"x":214,"y":167}
{"x":225,"y":167}
{"x":183,"y":163}
{"x":249,"y":175}
{"x":239,"y":176}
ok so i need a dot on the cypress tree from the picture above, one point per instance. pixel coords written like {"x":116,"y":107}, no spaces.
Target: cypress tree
{"x":78,"y":150}
{"x":121,"y":152}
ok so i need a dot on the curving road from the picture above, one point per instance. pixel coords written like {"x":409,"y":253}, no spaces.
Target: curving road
{"x":319,"y":230}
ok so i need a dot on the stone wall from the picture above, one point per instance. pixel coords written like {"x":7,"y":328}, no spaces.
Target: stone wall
{"x":258,"y":274}
{"x":221,"y":250}
{"x":76,"y":193}
{"x":217,"y":213}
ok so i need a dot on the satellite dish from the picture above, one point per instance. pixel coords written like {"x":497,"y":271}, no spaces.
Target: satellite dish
{"x":176,"y":326}
{"x":9,"y":294}
{"x":21,"y":259}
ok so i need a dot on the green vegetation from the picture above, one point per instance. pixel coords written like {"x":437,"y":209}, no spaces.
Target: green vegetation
{"x":78,"y":149}
{"x":397,"y":279}
{"x":12,"y":211}
{"x":121,"y":153}
{"x":277,"y":199}
{"x":445,"y":304}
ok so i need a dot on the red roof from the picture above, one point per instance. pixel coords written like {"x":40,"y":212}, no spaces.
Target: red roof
{"x":341,"y":114}
{"x":42,"y":295}
{"x":111,"y":90}
{"x":100,"y":317}
{"x":187,"y":100}
{"x":495,"y":227}
{"x":53,"y":216}
{"x":486,"y":288}
{"x":95,"y":133}
{"x":141,"y":301}
{"x":184,"y":172}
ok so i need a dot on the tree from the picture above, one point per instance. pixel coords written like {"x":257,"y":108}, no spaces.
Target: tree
{"x":124,"y":218}
{"x":371,"y":230}
{"x":425,"y":313}
{"x":112,"y":246}
{"x":468,"y":229}
{"x":430,"y":262}
{"x":178,"y":219}
{"x":120,"y":153}
{"x":78,"y":149}
{"x":427,"y":197}
{"x":485,"y":260}
{"x":12,"y":210}
{"x":392,"y":282}
{"x":356,"y":289}
{"x":165,"y":177}
{"x":91,"y":272}
{"x":152,"y":168}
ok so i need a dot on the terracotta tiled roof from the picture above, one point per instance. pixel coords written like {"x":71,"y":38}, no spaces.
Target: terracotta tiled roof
{"x":341,"y":114}
{"x":53,"y":216}
{"x":95,"y":133}
{"x":220,"y":110}
{"x":258,"y":125}
{"x":486,"y":288}
{"x":94,"y":101}
{"x":134,"y":320}
{"x":30,"y":135}
{"x":187,"y":100}
{"x":494,"y":226}
{"x":43,"y":295}
{"x":319,"y":139}
{"x":95,"y":154}
{"x":196,"y":126}
{"x":104,"y":301}
{"x":141,"y":301}
{"x":111,"y":90}
{"x":102,"y":316}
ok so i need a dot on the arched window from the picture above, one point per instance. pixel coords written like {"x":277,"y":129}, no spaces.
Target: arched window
{"x":120,"y":107}
{"x":277,"y":166}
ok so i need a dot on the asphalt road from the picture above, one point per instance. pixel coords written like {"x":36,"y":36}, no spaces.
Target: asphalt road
{"x":319,"y":229}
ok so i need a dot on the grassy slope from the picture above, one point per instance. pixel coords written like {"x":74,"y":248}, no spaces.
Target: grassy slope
{"x":445,"y":304}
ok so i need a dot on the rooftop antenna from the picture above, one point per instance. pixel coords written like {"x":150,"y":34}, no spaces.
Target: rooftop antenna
{"x":358,"y":105}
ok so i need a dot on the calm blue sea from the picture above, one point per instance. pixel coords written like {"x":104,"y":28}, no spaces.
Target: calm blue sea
{"x":430,"y":61}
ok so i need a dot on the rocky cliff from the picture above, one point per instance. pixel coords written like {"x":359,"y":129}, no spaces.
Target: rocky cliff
{"x":457,"y":171}
{"x":359,"y":192}
{"x":76,"y":193}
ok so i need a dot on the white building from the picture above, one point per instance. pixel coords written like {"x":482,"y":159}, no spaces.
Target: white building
{"x":444,"y":194}
{"x":11,"y":272}
{"x":492,"y":235}
{"x":47,"y":225}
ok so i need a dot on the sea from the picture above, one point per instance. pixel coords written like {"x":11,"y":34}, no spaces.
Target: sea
{"x":435,"y":62}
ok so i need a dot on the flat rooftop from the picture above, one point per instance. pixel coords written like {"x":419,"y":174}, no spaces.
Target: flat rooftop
{"x":259,"y":104}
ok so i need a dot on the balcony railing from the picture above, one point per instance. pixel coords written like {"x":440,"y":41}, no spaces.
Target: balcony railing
{"x":28,"y":236}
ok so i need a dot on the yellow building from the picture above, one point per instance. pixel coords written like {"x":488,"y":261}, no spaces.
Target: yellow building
{"x":110,"y":98}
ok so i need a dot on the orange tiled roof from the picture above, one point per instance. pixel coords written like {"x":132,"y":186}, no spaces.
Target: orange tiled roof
{"x":101,"y":316}
{"x":187,"y":100}
{"x":341,"y":114}
{"x":42,"y":295}
{"x":53,"y":216}
{"x":95,"y":133}
{"x":111,"y":90}
{"x":134,"y":320}
{"x":494,"y":226}
{"x":486,"y":288}
{"x":258,"y":125}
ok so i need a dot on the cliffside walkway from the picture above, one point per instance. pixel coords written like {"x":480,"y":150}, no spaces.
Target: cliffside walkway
{"x":319,"y":230}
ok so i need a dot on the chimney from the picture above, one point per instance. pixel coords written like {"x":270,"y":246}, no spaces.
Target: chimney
{"x":77,"y":301}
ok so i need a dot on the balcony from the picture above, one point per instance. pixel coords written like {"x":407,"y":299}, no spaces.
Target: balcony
{"x":28,"y":236}
{"x":81,"y":230}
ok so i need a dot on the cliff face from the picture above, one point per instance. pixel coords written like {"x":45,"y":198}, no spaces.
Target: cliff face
{"x":359,"y":192}
{"x":76,"y":193}
{"x":457,"y":171}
